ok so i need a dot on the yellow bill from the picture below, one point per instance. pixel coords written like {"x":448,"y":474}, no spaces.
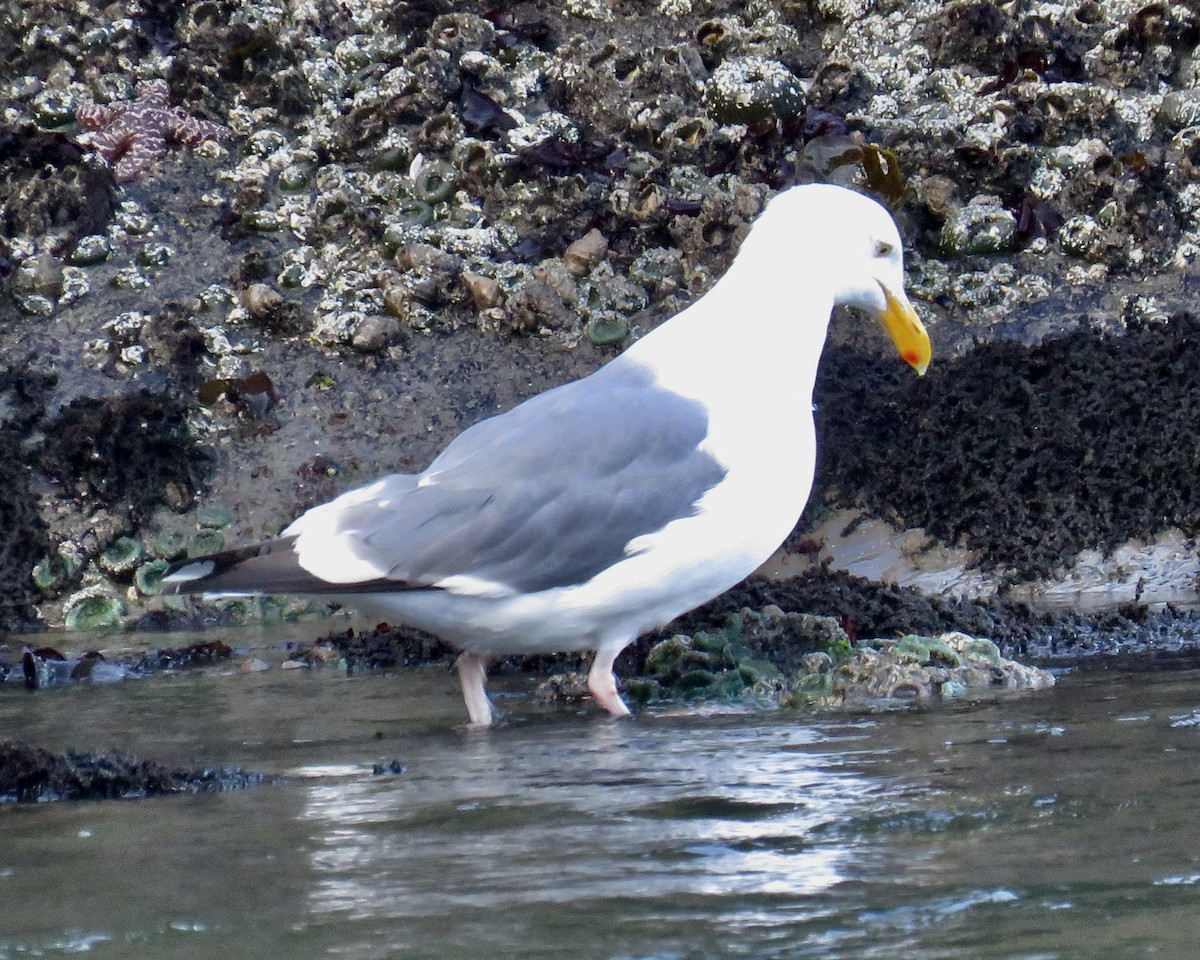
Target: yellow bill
{"x":906,"y":330}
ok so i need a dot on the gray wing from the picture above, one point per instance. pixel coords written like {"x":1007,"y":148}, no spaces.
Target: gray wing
{"x":548,"y":494}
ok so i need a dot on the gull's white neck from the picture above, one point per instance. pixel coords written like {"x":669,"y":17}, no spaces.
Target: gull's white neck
{"x":762,"y":326}
{"x":748,"y":352}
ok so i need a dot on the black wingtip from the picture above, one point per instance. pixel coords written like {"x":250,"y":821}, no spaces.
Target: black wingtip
{"x":240,"y":570}
{"x":180,"y":576}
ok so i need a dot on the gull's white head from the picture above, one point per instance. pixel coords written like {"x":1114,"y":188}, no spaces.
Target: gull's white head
{"x":851,"y":243}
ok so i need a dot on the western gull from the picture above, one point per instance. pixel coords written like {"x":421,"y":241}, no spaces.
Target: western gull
{"x":606,"y":507}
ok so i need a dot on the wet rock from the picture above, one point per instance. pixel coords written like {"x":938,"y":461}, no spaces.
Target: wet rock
{"x":526,"y":129}
{"x":30,"y":774}
{"x":920,"y":669}
{"x":563,"y":689}
{"x":383,"y":647}
{"x":804,"y":660}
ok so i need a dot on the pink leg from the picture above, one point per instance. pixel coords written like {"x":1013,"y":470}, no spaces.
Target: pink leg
{"x":472,"y":675}
{"x":603,"y":684}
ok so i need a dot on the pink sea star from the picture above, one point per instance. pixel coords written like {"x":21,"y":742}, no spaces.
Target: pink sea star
{"x":132,"y":134}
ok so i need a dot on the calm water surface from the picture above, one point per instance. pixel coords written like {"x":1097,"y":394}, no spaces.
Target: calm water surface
{"x":1062,"y":824}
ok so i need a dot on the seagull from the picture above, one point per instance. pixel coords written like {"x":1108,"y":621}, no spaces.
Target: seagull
{"x":604,"y":508}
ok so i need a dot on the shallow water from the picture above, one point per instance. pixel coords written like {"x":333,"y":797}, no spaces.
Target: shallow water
{"x":1053,"y":825}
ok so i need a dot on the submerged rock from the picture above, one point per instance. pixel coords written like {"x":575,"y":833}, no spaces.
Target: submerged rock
{"x":44,"y":667}
{"x":30,"y":774}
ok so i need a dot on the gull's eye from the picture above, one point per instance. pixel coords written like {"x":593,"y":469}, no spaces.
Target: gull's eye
{"x":883,"y":248}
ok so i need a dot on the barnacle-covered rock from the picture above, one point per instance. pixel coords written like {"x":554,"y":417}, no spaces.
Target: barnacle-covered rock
{"x":722,"y":222}
{"x":294,"y":177}
{"x":923,"y":668}
{"x":692,"y":139}
{"x":426,"y":81}
{"x":658,"y":270}
{"x":1180,"y":109}
{"x":375,"y":137}
{"x":563,"y":688}
{"x":596,"y":10}
{"x":435,"y":181}
{"x":751,"y":90}
{"x":261,"y":220}
{"x":1084,"y":237}
{"x":52,"y":108}
{"x":462,"y":34}
{"x":155,"y":254}
{"x":607,"y":301}
{"x":536,"y":304}
{"x":90,"y":250}
{"x":431,"y":274}
{"x":802,"y":660}
{"x":982,"y":226}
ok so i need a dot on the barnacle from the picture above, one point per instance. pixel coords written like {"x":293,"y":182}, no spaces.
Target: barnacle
{"x":751,"y":90}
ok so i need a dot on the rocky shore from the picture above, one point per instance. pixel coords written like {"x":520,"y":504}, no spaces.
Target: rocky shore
{"x":344,"y":231}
